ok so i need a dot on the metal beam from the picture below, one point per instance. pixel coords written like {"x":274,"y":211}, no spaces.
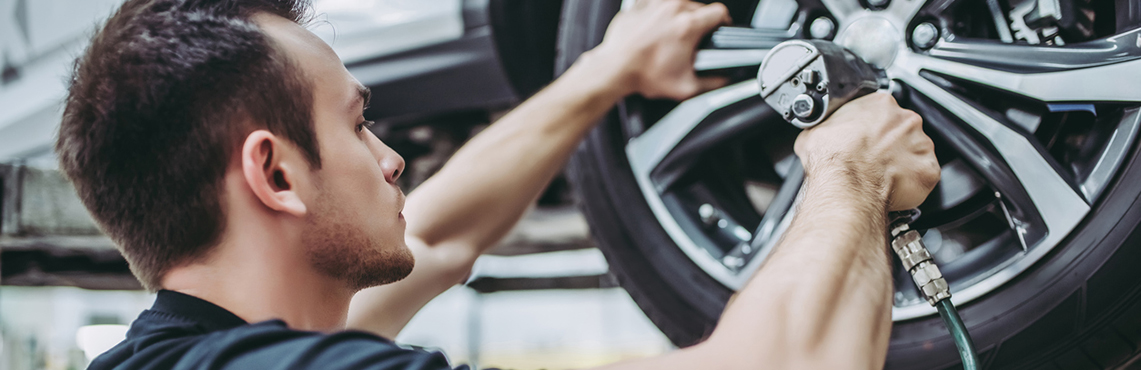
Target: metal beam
{"x":492,"y":285}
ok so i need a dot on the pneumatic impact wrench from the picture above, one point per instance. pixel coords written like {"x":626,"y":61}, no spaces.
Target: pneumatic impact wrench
{"x":806,"y":81}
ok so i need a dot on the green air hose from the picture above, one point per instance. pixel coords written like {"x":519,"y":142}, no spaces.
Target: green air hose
{"x":908,"y":245}
{"x":959,"y":332}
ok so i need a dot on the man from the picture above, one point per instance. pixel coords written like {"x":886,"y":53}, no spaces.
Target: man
{"x":222,"y":146}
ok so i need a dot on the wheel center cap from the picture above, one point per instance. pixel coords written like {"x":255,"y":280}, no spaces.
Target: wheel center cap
{"x":873,"y":38}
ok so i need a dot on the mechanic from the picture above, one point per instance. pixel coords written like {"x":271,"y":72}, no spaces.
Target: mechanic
{"x":222,"y":146}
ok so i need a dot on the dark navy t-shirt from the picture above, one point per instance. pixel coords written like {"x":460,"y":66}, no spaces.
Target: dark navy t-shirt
{"x":184,"y":332}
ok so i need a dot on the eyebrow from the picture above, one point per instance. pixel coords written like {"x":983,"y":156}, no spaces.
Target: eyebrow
{"x":364,"y":96}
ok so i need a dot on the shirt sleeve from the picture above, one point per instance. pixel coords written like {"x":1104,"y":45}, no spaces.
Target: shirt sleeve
{"x":273,"y":347}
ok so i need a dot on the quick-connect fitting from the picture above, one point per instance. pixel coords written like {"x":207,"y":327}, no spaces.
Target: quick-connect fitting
{"x":908,"y":245}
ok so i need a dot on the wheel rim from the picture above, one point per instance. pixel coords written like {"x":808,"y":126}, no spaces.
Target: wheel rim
{"x":1028,"y":137}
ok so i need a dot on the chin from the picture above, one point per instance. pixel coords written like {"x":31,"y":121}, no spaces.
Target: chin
{"x":360,"y":261}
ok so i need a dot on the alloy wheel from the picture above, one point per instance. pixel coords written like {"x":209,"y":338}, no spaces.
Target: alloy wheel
{"x":1031,"y":119}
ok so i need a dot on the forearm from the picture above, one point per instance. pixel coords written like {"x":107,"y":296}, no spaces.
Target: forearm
{"x":480,"y":194}
{"x":823,"y":298}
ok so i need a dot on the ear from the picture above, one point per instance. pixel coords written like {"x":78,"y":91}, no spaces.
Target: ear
{"x":271,"y":173}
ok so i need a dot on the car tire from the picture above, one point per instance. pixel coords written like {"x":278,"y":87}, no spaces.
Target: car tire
{"x":1079,"y":307}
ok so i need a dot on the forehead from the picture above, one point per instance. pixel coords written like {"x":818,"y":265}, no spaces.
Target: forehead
{"x":331,"y":82}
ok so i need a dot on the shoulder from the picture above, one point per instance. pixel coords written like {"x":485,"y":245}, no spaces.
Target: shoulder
{"x":265,"y":345}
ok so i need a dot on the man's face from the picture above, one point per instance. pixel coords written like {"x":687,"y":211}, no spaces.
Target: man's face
{"x":355,"y":229}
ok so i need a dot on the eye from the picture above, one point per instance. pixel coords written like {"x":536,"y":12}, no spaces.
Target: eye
{"x":363,"y":125}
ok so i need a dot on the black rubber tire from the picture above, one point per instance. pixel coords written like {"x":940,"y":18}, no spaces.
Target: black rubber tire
{"x":1078,"y":308}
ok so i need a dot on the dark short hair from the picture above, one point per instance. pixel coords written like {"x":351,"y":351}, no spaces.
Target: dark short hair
{"x":158,"y":104}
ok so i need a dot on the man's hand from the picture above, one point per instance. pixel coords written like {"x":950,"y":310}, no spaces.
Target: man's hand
{"x":652,"y":47}
{"x":874,"y":144}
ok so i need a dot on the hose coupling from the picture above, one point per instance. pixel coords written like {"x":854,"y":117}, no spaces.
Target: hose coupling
{"x":908,"y":245}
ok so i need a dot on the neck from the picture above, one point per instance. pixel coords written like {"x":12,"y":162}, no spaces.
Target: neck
{"x":259,"y":271}
{"x":263,"y":286}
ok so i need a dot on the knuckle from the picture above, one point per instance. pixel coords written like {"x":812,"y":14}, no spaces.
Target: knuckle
{"x":680,"y":93}
{"x":928,"y":145}
{"x":801,"y":143}
{"x":720,"y":8}
{"x":911,"y":115}
{"x":911,"y":120}
{"x":689,"y":91}
{"x":930,"y":183}
{"x":883,"y":98}
{"x":690,"y":24}
{"x":934,"y":171}
{"x":931,"y":176}
{"x":915,"y":118}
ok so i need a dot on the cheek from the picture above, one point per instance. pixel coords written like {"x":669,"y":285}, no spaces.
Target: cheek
{"x":355,"y":163}
{"x":353,"y":173}
{"x":372,"y":192}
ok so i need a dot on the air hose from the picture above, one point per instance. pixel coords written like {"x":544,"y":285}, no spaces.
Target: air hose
{"x":908,"y":245}
{"x":959,"y":332}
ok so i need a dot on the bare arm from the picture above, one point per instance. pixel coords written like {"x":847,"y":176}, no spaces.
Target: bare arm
{"x":479,"y":195}
{"x":823,"y":299}
{"x":483,"y":191}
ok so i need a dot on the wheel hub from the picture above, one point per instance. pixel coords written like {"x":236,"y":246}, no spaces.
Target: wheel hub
{"x":873,"y":38}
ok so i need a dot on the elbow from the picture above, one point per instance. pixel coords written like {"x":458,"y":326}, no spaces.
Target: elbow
{"x":449,"y":263}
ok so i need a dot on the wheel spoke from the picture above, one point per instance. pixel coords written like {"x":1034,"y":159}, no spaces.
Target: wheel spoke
{"x":718,"y":128}
{"x":842,"y":9}
{"x":647,"y":151}
{"x":1058,"y":205}
{"x":905,"y":9}
{"x":711,"y":59}
{"x":1106,"y":83}
{"x":1032,"y":58}
{"x":984,"y":158}
{"x":1118,"y":147}
{"x":750,"y":38}
{"x":779,"y":207}
{"x":732,"y":47}
{"x":1052,"y":195}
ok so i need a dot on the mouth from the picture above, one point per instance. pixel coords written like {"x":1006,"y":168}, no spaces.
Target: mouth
{"x":400,"y":204}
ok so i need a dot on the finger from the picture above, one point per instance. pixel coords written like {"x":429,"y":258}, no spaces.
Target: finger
{"x":709,"y":16}
{"x":907,"y":194}
{"x":934,"y":174}
{"x":689,"y":87}
{"x":709,"y":83}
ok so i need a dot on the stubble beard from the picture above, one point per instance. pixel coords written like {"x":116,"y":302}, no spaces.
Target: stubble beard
{"x":349,"y":254}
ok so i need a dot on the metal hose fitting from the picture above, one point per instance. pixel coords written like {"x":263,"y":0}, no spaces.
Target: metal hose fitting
{"x":908,"y":245}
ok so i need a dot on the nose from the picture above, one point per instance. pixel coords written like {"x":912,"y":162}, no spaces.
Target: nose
{"x":391,"y":163}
